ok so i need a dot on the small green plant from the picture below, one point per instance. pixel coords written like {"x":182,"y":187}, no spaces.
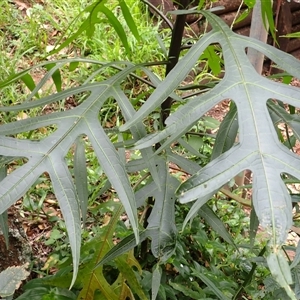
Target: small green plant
{"x":119,"y":279}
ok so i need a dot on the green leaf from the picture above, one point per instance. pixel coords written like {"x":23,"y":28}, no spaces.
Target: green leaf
{"x":213,"y":60}
{"x":62,"y":278}
{"x":73,"y":66}
{"x":87,"y":25}
{"x":187,"y":291}
{"x":254,"y":223}
{"x":227,"y":133}
{"x":250,"y":3}
{"x":243,"y":16}
{"x":4,"y":215}
{"x":122,"y":247}
{"x":100,"y":250}
{"x":55,"y":76}
{"x":46,"y":293}
{"x":296,"y":259}
{"x":216,"y":224}
{"x":125,"y":266}
{"x":29,"y":82}
{"x":14,"y":77}
{"x":296,"y":276}
{"x":34,"y":294}
{"x":117,"y":26}
{"x":280,"y":270}
{"x":80,"y":176}
{"x":48,"y":155}
{"x":129,"y":20}
{"x":54,"y":73}
{"x":267,"y":16}
{"x":156,"y":278}
{"x":89,"y":276}
{"x":292,"y":35}
{"x":161,"y":222}
{"x":210,"y":284}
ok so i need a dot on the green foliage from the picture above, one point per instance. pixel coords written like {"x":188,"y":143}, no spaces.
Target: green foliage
{"x":94,"y":17}
{"x":179,"y":258}
{"x":267,"y":16}
{"x":293,"y":35}
{"x":90,"y":281}
{"x":48,"y":293}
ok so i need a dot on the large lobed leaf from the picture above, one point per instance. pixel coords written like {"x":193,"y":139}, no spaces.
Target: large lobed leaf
{"x":48,"y":155}
{"x":258,"y":148}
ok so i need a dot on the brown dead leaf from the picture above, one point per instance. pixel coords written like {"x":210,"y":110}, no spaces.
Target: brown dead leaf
{"x":22,"y":5}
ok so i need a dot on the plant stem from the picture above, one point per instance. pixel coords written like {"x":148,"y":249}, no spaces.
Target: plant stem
{"x":173,"y":56}
{"x":259,"y":32}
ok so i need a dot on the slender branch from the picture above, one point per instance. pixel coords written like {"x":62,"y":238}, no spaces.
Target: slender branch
{"x":173,"y":56}
{"x":160,"y":13}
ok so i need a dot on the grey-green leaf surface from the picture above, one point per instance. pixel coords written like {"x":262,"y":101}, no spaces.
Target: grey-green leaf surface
{"x":156,"y":278}
{"x":161,"y":221}
{"x":210,"y":284}
{"x":11,"y":278}
{"x":296,"y":276}
{"x":258,"y":149}
{"x":48,"y":155}
{"x":254,"y":223}
{"x":4,"y":215}
{"x":296,"y":258}
{"x":213,"y":220}
{"x":138,"y":131}
{"x":80,"y":176}
{"x":280,"y":270}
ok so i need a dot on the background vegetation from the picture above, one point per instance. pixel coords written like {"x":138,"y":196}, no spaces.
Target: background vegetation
{"x":123,"y":166}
